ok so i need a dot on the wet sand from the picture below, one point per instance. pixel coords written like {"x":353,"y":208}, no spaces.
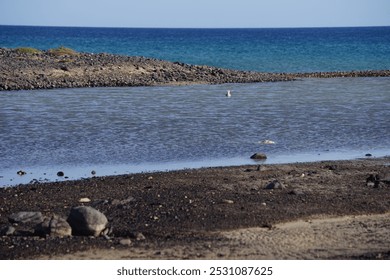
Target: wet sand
{"x":322,"y":210}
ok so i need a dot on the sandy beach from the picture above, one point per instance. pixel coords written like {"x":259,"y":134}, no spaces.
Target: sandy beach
{"x":320,"y":210}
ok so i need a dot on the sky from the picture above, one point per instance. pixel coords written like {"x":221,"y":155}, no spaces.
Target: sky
{"x":196,"y":13}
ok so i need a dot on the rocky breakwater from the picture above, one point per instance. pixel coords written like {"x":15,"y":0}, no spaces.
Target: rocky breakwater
{"x":27,"y":68}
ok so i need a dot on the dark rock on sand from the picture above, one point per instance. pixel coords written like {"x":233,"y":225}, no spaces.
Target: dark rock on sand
{"x":259,"y":156}
{"x":86,"y":220}
{"x":60,"y":174}
{"x":7,"y":230}
{"x":274,"y":185}
{"x":296,"y":192}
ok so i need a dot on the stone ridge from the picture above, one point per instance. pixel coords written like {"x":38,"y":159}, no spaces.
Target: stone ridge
{"x":45,"y":70}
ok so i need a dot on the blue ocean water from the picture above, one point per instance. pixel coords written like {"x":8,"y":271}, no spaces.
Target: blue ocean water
{"x":127,"y":130}
{"x":267,"y":50}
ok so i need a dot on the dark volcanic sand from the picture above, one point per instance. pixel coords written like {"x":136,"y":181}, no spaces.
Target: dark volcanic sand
{"x":195,"y":209}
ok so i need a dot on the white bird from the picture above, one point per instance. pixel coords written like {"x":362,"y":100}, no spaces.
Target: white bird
{"x":267,"y":142}
{"x":228,"y":94}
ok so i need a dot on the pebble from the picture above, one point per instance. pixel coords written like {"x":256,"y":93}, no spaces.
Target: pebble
{"x":125,"y":242}
{"x":60,"y":173}
{"x":296,"y":192}
{"x":21,"y":172}
{"x":84,"y":199}
{"x":227,"y":201}
{"x":274,"y":185}
{"x":7,"y":231}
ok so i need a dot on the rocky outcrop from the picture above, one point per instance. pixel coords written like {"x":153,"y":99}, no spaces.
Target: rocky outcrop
{"x":45,"y":70}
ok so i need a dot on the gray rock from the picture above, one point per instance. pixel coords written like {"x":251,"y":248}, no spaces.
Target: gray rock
{"x":296,"y":192}
{"x":86,"y":220}
{"x":125,"y":242}
{"x":6,"y":231}
{"x":259,"y":156}
{"x":26,"y":217}
{"x":274,"y":185}
{"x":54,"y":226}
{"x":138,"y":236}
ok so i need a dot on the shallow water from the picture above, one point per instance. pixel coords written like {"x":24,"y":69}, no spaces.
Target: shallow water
{"x":127,"y":130}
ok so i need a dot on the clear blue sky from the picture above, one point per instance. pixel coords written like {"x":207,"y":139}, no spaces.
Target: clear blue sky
{"x":196,"y":13}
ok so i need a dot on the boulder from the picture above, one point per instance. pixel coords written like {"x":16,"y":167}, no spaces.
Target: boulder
{"x":26,"y":217}
{"x":54,"y":226}
{"x":86,"y":220}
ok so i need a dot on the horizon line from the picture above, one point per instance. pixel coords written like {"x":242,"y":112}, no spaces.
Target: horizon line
{"x":124,"y":27}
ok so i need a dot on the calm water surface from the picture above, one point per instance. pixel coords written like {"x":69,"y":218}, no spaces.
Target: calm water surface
{"x":126,"y":130}
{"x":263,"y":49}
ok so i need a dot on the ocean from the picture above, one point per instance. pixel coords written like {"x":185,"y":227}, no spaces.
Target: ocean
{"x":128,"y":130}
{"x":266,"y":50}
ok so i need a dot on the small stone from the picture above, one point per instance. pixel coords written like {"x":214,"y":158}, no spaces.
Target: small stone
{"x":274,"y":185}
{"x":259,"y":156}
{"x":84,"y":199}
{"x":227,"y":201}
{"x":26,"y":217}
{"x":21,"y":172}
{"x":296,"y":192}
{"x":138,"y":236}
{"x":368,"y":155}
{"x":125,"y":242}
{"x":6,"y":231}
{"x":93,"y":172}
{"x":60,"y":173}
{"x":263,"y":204}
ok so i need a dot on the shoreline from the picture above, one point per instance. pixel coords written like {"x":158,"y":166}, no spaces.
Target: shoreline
{"x":44,"y":174}
{"x":28,"y":69}
{"x":215,"y":213}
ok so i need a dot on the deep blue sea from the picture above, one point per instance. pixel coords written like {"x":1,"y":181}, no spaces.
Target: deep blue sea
{"x":268,"y":50}
{"x":128,"y":130}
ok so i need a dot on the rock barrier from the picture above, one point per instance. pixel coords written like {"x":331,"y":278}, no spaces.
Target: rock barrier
{"x":46,"y":69}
